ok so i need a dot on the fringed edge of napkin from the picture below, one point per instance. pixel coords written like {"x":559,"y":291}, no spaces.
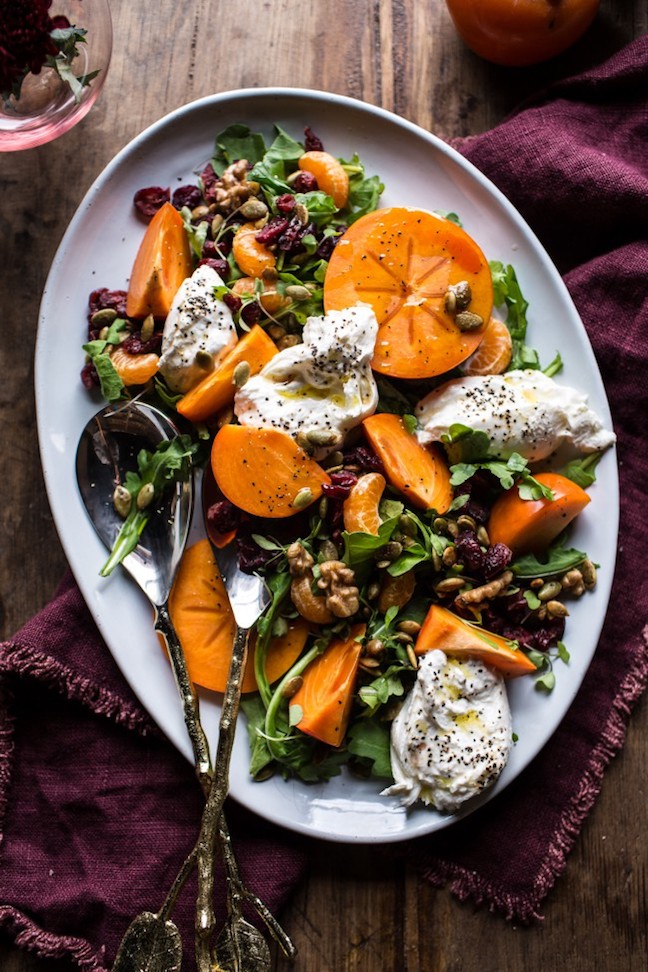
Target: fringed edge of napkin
{"x":23,"y":661}
{"x":470,"y":886}
{"x":28,"y":935}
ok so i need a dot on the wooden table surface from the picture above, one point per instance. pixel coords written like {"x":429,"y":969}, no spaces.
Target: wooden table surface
{"x":351,"y":915}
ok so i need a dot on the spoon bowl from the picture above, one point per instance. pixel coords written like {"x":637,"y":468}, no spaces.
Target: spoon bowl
{"x":107,"y":449}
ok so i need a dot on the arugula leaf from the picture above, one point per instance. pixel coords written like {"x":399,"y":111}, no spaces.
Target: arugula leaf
{"x":506,"y":292}
{"x":509,"y":472}
{"x":360,"y":548}
{"x":464,"y":444}
{"x":368,"y":739}
{"x":197,"y":232}
{"x":98,"y":351}
{"x":556,"y":559}
{"x":452,"y":217}
{"x":171,"y":462}
{"x":582,"y":471}
{"x":237,"y":142}
{"x":364,"y":191}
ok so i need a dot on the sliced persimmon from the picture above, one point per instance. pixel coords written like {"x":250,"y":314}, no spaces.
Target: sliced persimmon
{"x":203,"y":619}
{"x":332,"y":178}
{"x":530,"y":525}
{"x":461,"y":639}
{"x":493,"y":356}
{"x":162,"y":263}
{"x":419,"y":472}
{"x":264,"y":472}
{"x":360,"y":508}
{"x":217,"y":389}
{"x":402,"y":262}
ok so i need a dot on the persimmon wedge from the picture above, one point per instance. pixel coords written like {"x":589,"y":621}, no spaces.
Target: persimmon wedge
{"x":529,"y":526}
{"x":202,"y":616}
{"x":419,"y":472}
{"x":454,"y":636}
{"x":217,"y":389}
{"x":402,"y":262}
{"x":264,"y":472}
{"x":325,"y":697}
{"x":163,"y":261}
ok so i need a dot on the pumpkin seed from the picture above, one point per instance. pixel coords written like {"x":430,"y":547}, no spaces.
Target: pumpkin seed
{"x":204,"y":360}
{"x":298,"y":292}
{"x":253,"y":209}
{"x":467,"y":321}
{"x":122,"y":501}
{"x":103,"y":317}
{"x":303,"y":498}
{"x":549,"y":591}
{"x":241,"y":374}
{"x":148,"y":326}
{"x":145,"y":496}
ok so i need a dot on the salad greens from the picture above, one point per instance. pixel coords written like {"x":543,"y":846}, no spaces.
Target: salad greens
{"x":409,"y":543}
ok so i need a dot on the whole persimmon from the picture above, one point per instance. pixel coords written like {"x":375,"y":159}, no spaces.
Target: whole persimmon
{"x":517,"y":33}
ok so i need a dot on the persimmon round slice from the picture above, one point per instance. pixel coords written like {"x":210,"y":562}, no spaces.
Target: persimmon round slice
{"x":264,"y":472}
{"x":402,"y":262}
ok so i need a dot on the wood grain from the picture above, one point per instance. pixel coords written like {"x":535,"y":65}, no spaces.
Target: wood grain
{"x":353,"y":914}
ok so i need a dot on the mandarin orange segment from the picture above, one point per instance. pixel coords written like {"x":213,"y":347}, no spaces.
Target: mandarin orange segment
{"x":134,"y":369}
{"x":251,"y":256}
{"x":331,"y":176}
{"x":360,"y":508}
{"x":402,"y":262}
{"x":493,"y":356}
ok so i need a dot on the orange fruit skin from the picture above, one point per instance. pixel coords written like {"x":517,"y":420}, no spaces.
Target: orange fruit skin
{"x":494,"y":354}
{"x":360,"y":508}
{"x":402,"y":261}
{"x":517,"y":33}
{"x":331,"y":177}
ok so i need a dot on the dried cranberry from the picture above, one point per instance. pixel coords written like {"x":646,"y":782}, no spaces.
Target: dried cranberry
{"x":233,"y":302}
{"x":286,"y":203}
{"x":305,"y":182}
{"x":89,"y":376}
{"x":133,"y":344}
{"x":514,"y":606}
{"x":251,"y":557}
{"x":221,"y":267}
{"x":340,"y":485}
{"x":208,"y":178}
{"x":497,"y":559}
{"x":364,"y":458}
{"x":189,"y":196}
{"x":148,"y":201}
{"x":291,"y":240}
{"x":251,"y":312}
{"x":223,"y":516}
{"x":103,"y":299}
{"x":326,"y":246}
{"x":469,"y":552}
{"x":272,"y":231}
{"x":312,"y":142}
{"x":549,"y":634}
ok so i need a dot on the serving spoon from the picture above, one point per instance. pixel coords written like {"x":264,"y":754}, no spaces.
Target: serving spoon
{"x":108,"y":445}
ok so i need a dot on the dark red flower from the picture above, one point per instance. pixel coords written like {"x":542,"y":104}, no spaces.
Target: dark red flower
{"x":25,"y":41}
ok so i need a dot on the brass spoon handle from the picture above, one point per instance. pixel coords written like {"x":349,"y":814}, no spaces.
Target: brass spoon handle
{"x":209,"y":830}
{"x":188,"y":697}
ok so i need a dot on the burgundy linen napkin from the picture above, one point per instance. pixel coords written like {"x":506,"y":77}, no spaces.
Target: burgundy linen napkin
{"x":575,"y":164}
{"x":97,"y":810}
